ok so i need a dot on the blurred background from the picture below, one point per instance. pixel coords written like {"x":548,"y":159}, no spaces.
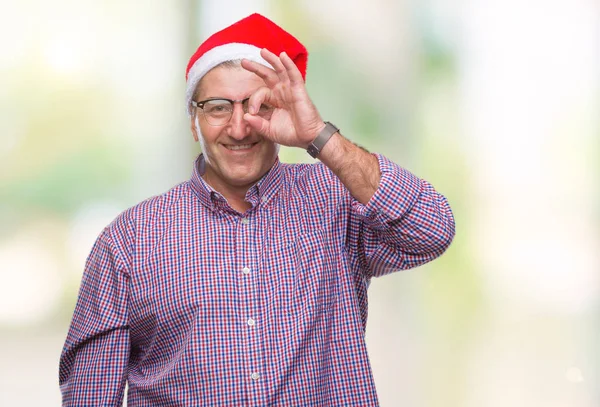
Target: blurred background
{"x":496,"y":103}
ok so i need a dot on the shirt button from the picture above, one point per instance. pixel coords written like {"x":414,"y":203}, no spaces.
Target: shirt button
{"x":255,"y":376}
{"x":245,"y":221}
{"x":251,"y":322}
{"x":246,"y":270}
{"x":263,"y":199}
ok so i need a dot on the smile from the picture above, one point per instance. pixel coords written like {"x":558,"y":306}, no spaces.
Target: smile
{"x":236,"y":147}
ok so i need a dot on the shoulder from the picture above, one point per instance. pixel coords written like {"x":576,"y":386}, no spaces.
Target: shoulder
{"x":153,"y":207}
{"x":143,"y":215}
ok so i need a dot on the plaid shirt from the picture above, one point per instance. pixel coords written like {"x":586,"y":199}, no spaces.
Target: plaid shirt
{"x":194,"y":304}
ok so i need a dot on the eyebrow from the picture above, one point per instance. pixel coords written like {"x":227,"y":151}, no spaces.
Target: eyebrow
{"x":223,"y":98}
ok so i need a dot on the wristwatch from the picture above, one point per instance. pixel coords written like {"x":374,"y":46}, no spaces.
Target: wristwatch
{"x":319,"y":142}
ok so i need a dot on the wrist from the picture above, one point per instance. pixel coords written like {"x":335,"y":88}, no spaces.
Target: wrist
{"x":322,"y":137}
{"x":312,"y":135}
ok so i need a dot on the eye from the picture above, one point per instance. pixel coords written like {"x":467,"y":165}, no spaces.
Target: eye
{"x":265,"y":111}
{"x":215,"y":107}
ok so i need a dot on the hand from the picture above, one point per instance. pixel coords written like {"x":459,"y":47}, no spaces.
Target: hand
{"x":295,"y":120}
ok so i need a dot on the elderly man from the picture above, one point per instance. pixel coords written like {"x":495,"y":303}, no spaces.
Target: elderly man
{"x":247,"y":284}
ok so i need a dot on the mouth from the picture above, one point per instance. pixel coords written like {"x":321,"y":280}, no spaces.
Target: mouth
{"x":239,"y":147}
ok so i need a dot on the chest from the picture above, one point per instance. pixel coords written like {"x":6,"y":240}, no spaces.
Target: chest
{"x":277,"y":263}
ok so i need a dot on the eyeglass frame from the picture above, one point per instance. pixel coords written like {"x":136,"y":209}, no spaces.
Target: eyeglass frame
{"x":200,"y":105}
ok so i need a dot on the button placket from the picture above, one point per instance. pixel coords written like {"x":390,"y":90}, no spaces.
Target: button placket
{"x":248,"y":247}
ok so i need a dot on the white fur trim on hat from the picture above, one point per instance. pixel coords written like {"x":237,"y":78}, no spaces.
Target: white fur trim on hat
{"x":215,"y":56}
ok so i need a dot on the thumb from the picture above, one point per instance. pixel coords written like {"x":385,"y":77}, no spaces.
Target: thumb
{"x":259,"y":124}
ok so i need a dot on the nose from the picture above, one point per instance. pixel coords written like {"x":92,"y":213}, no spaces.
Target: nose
{"x":237,"y":127}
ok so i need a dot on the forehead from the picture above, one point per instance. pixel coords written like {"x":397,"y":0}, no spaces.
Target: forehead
{"x":228,"y":82}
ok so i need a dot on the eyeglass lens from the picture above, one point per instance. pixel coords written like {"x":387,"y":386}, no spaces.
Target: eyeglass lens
{"x":219,"y":111}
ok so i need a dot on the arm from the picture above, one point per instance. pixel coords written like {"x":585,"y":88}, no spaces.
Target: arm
{"x":406,"y":223}
{"x":398,"y":221}
{"x":356,"y":168}
{"x":93,"y":363}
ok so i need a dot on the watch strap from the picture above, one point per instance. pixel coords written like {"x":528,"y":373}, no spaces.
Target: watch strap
{"x":319,"y":142}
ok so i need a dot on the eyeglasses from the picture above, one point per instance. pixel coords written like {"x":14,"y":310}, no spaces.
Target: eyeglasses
{"x":218,"y":112}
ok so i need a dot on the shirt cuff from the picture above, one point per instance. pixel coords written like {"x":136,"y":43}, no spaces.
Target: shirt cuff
{"x":398,"y":191}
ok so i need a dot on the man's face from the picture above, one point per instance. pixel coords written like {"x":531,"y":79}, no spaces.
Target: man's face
{"x":235,"y":155}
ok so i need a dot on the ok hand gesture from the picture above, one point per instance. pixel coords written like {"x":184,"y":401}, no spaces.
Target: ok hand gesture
{"x":295,"y":120}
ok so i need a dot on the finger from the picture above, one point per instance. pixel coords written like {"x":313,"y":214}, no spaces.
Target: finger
{"x":258,"y":123}
{"x":292,"y":70}
{"x":276,"y":63}
{"x":267,"y":74}
{"x":260,"y":96}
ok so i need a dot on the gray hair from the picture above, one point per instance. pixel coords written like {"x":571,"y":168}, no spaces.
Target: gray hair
{"x":232,"y":64}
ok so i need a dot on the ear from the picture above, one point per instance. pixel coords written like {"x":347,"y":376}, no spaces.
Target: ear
{"x":193,"y":127}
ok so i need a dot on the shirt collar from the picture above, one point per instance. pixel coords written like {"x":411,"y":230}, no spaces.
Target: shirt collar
{"x":261,"y":192}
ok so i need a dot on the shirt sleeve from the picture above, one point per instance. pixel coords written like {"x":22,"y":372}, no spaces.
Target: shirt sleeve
{"x":406,"y":223}
{"x":93,"y":363}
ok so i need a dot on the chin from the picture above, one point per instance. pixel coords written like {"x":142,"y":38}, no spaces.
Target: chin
{"x":244,"y":176}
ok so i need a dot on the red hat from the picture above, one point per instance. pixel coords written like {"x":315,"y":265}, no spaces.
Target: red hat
{"x":243,"y":39}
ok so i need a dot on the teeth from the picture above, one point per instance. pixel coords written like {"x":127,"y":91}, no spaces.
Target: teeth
{"x":240,"y":147}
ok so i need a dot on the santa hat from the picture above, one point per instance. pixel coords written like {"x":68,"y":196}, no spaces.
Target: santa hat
{"x":243,"y":40}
